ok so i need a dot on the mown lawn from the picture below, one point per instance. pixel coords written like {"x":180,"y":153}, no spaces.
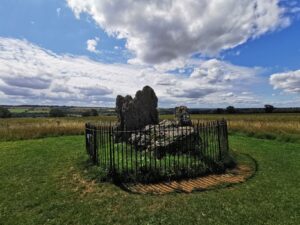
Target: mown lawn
{"x":44,"y":181}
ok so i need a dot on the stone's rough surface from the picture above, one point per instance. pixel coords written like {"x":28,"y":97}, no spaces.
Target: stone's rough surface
{"x":182,"y":116}
{"x":139,"y":117}
{"x":121,"y":105}
{"x":135,"y":113}
{"x":167,"y":137}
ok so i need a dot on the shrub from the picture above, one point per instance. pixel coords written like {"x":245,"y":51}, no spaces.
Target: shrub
{"x":4,"y":113}
{"x":85,"y":114}
{"x":92,"y":112}
{"x":219,"y":111}
{"x":56,"y":112}
{"x":269,"y":108}
{"x":230,"y":109}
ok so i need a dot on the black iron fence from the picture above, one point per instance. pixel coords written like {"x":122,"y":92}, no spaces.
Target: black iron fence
{"x":158,"y":152}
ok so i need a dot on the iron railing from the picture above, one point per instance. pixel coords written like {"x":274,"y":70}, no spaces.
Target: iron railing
{"x":159,"y":152}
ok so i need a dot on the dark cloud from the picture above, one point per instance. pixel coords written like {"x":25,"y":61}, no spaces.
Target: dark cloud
{"x":16,"y":91}
{"x":27,"y":82}
{"x":95,"y":91}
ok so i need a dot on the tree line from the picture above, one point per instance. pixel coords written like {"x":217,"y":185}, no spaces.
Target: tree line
{"x":57,"y":111}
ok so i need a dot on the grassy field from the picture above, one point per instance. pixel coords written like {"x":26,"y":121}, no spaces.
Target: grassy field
{"x":48,"y":181}
{"x":29,"y":109}
{"x":284,"y":127}
{"x":281,"y":126}
{"x":27,"y":128}
{"x":43,"y":111}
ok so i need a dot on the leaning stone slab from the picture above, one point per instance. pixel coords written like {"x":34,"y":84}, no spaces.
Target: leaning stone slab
{"x":166,"y":138}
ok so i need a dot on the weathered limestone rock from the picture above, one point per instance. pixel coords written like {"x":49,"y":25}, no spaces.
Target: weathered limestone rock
{"x":139,"y":117}
{"x":121,"y":106}
{"x":135,"y":113}
{"x":182,"y":116}
{"x":166,"y":137}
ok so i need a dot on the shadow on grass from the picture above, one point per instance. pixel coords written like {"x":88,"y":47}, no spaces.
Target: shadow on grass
{"x":94,"y":173}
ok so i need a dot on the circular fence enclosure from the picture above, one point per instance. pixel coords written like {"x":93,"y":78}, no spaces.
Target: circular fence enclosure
{"x":159,"y":152}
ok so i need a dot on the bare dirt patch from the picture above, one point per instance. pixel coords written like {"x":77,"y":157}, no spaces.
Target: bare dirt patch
{"x":83,"y":185}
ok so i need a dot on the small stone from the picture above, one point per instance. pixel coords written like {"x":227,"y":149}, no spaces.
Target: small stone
{"x":182,"y":116}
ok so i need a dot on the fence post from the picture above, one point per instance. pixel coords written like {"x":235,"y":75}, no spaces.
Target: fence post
{"x":86,"y":138}
{"x":219,"y":140}
{"x":110,"y":150}
{"x":95,"y":150}
{"x":226,"y":136}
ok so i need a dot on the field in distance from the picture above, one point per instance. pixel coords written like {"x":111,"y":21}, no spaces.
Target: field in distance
{"x":285,"y":126}
{"x":43,"y":111}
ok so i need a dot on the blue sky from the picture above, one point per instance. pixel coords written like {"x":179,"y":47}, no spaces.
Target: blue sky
{"x":51,"y":24}
{"x":87,"y":52}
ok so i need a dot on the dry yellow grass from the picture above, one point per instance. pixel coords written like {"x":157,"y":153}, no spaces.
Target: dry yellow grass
{"x":286,"y":126}
{"x":289,"y":127}
{"x":27,"y":128}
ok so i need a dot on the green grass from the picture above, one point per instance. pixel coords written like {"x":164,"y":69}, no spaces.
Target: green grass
{"x":47,"y":181}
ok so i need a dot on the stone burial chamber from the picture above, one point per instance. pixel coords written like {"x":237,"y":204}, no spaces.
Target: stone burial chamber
{"x":138,"y":124}
{"x":142,"y":148}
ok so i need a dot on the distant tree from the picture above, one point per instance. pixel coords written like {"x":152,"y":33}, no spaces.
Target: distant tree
{"x":92,"y":112}
{"x":85,"y":113}
{"x":230,"y":109}
{"x":269,"y":108}
{"x":56,"y":112}
{"x":219,"y":111}
{"x":4,"y":113}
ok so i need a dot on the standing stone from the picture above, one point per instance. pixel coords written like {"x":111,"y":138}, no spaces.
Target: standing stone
{"x":182,"y":116}
{"x":135,"y":113}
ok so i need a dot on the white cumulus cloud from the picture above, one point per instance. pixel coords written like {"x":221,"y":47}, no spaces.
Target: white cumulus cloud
{"x":91,"y":45}
{"x":288,"y":82}
{"x":30,"y":74}
{"x":159,"y":31}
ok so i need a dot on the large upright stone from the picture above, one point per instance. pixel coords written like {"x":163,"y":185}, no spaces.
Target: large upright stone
{"x":135,"y":113}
